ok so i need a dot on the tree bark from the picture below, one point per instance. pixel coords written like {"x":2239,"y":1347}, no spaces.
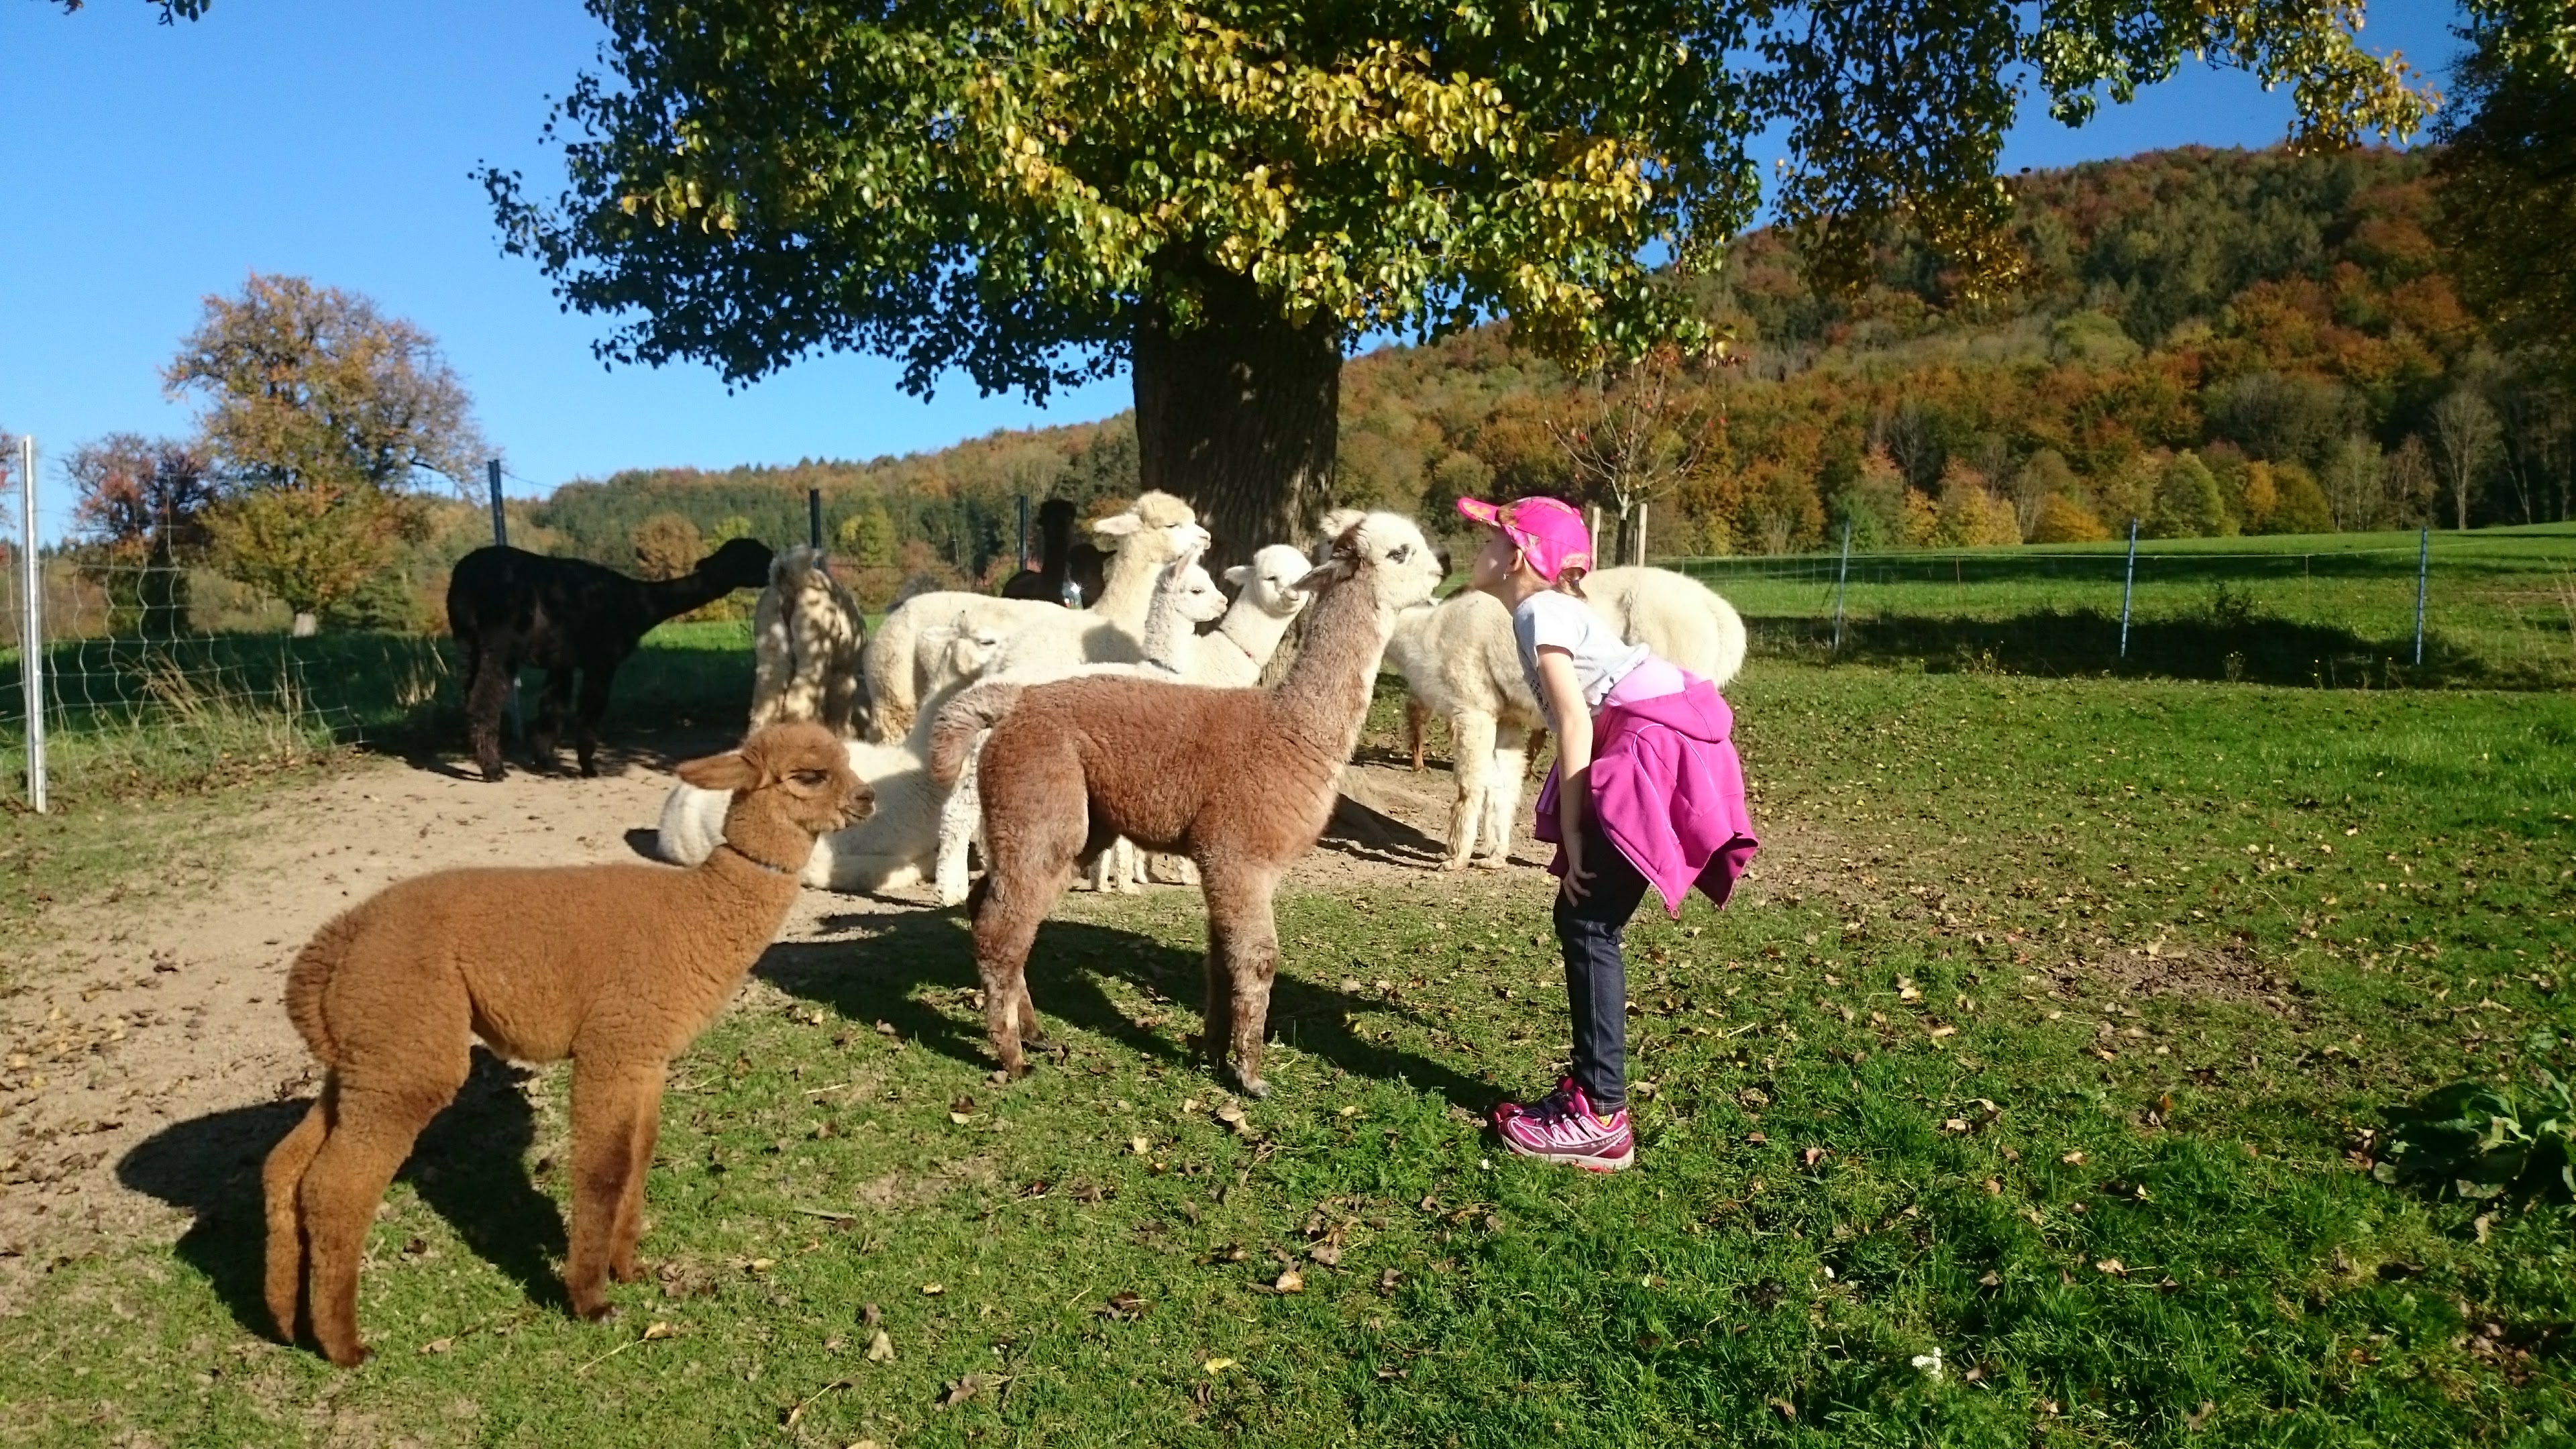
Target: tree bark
{"x":1240,"y":414}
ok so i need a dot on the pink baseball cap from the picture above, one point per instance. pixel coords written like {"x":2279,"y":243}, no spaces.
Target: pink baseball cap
{"x":1550,"y":533}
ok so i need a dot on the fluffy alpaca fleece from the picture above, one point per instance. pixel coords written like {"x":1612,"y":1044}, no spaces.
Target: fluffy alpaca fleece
{"x":1153,"y":531}
{"x":1459,"y":661}
{"x":1244,"y":640}
{"x":1184,"y":596}
{"x":1239,"y":780}
{"x":615,"y":966}
{"x":806,"y":635}
{"x":892,"y":849}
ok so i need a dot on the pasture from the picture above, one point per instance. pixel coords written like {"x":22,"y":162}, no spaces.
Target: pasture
{"x":2026,"y":1096}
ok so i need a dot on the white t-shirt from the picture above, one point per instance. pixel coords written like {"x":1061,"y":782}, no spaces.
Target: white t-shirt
{"x":1562,"y":621}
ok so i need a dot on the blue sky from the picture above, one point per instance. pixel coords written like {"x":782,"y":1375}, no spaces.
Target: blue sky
{"x":151,"y":165}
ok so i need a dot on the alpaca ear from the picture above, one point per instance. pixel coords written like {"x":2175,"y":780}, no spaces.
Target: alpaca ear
{"x":1239,"y":575}
{"x":1341,"y":567}
{"x":1339,"y":521}
{"x":723,"y":773}
{"x":1117,"y":525}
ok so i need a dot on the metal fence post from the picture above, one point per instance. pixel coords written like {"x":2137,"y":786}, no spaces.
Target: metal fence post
{"x":501,"y":539}
{"x":1842,"y":581}
{"x":31,"y":657}
{"x":814,"y":518}
{"x":2423,"y":573}
{"x":2128,"y":587}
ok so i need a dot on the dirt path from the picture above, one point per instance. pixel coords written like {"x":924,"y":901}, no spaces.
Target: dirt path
{"x":161,"y":1006}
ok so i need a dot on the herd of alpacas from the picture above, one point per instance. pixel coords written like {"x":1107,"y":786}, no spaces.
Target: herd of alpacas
{"x":1045,"y":736}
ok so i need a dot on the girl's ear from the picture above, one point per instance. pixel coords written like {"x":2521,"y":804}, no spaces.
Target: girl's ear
{"x":723,"y":773}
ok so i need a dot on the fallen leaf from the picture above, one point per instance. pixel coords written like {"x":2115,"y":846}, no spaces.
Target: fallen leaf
{"x":958,"y":1391}
{"x":1231,"y":1115}
{"x":798,"y":1413}
{"x":2073,"y":1159}
{"x":961,"y":1118}
{"x":1139,"y":1146}
{"x":1939,"y":1032}
{"x":1993,"y":1187}
{"x":438,"y":1345}
{"x":1992,"y":1279}
{"x":1955,"y":1124}
{"x":1289,"y":1281}
{"x":1190,"y":1104}
{"x":1346,"y":1111}
{"x":871,"y":1315}
{"x":1326,"y":1254}
{"x":1812,"y":1156}
{"x":659,"y":1330}
{"x":2111,"y":1266}
{"x":2482,"y":1222}
{"x":1387,"y":1280}
{"x":1756,"y":1138}
{"x":1218,"y":1365}
{"x":2199,"y":1416}
{"x":763,"y":1265}
{"x":1124,"y":1307}
{"x":880,"y":1348}
{"x":1787,"y":1409}
{"x":933,"y":1290}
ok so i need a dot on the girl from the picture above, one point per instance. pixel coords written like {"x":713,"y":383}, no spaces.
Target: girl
{"x":1646,"y":790}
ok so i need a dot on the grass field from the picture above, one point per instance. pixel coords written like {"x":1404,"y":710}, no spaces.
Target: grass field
{"x":2025,"y":1098}
{"x":2321,"y":609}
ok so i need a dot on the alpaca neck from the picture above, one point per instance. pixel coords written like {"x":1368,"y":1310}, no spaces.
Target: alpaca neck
{"x":1167,"y":633}
{"x":1324,"y":697}
{"x":1254,"y":630}
{"x":670,"y":598}
{"x":1127,"y":592}
{"x":1055,"y":549}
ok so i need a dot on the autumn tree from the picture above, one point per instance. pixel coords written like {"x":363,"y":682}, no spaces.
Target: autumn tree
{"x":320,"y":416}
{"x":667,"y":546}
{"x":2509,"y":173}
{"x":2465,"y":437}
{"x":142,"y":508}
{"x":1634,"y":434}
{"x":1037,"y":192}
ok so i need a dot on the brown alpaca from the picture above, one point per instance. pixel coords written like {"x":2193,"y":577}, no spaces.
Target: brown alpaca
{"x":615,"y":966}
{"x":1239,"y":780}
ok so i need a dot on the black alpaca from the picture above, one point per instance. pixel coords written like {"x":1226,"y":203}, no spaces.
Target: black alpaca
{"x":1060,"y":561}
{"x":511,"y":609}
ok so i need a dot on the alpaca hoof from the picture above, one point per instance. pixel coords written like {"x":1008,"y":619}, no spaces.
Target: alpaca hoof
{"x":1255,"y":1087}
{"x":629,"y":1271}
{"x":589,"y":770}
{"x":350,"y":1357}
{"x":1491,"y":862}
{"x":600,"y":1312}
{"x":492,"y":774}
{"x":1460,"y":863}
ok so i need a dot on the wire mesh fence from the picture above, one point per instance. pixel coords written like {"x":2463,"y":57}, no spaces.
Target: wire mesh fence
{"x":2497,"y":607}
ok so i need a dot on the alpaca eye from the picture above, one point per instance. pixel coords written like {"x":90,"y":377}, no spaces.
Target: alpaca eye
{"x":811,"y":779}
{"x":1401,"y":553}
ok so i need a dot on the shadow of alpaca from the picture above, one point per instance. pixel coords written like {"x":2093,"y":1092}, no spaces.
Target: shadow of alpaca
{"x":878,"y":972}
{"x":468,"y":1166}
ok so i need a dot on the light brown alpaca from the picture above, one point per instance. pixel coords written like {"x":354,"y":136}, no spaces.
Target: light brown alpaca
{"x":615,"y":966}
{"x":1239,"y":780}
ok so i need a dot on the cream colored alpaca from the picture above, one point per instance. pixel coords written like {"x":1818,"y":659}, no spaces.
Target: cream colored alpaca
{"x":806,"y":635}
{"x":1153,"y":531}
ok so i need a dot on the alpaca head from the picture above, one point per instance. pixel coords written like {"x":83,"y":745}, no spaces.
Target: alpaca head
{"x":742,"y":563}
{"x":1269,"y":582}
{"x":1190,"y":590}
{"x":800,"y":571}
{"x":1157,"y":526}
{"x":960,"y":651}
{"x":1388,"y":550}
{"x":800,"y":773}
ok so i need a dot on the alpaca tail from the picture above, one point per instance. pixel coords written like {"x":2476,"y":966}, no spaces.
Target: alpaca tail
{"x":310,"y":976}
{"x":975,"y":709}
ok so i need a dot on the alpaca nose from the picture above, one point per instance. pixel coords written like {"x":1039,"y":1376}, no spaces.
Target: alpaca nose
{"x":861,"y":804}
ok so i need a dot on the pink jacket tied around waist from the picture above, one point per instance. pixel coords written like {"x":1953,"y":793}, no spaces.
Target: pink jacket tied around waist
{"x":1668,"y":791}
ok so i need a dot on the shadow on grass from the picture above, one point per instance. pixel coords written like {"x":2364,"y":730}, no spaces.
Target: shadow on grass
{"x":468,"y":1167}
{"x":880,"y":974}
{"x":2219,"y":645}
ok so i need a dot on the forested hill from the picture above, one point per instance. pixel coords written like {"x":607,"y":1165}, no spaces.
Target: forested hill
{"x":2211,"y":341}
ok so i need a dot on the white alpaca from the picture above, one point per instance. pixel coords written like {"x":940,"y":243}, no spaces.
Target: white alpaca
{"x":806,"y":635}
{"x":1184,"y":596}
{"x":896,"y":846}
{"x":1234,"y":655}
{"x":1155,"y":529}
{"x":1459,"y":660}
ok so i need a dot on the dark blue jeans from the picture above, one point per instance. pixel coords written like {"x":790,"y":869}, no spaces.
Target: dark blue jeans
{"x":1596,"y":976}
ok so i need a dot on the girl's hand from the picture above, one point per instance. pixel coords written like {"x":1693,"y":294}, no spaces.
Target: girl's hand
{"x":1578,"y":881}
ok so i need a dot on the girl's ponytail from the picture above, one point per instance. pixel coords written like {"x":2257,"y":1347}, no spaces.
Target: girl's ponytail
{"x":1569,"y":579}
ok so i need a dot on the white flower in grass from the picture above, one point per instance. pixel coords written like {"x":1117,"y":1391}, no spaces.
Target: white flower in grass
{"x":1930,"y":1363}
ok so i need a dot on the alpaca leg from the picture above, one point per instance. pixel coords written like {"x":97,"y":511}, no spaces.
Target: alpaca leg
{"x":487,"y":694}
{"x":279,"y":1179}
{"x":1130,"y":872}
{"x":1216,"y":1011}
{"x":611,"y":1107}
{"x":1417,"y":723}
{"x":959,"y":816}
{"x":595,"y":680}
{"x":629,"y":1230}
{"x":1244,"y":938}
{"x":1034,"y":841}
{"x":1503,"y":793}
{"x":550,"y":713}
{"x":1472,"y":761}
{"x":370,"y":1133}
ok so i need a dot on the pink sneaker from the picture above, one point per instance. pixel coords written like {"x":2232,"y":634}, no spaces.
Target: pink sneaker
{"x":1562,"y":1127}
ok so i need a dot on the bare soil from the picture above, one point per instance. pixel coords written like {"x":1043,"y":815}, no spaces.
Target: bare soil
{"x":160,"y":1004}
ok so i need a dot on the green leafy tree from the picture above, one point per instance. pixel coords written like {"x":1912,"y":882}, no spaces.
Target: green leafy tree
{"x":1035,"y":192}
{"x":320,"y":414}
{"x":868,"y":537}
{"x":2509,"y":173}
{"x":2186,"y":503}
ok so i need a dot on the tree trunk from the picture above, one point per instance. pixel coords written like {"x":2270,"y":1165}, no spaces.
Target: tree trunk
{"x":1240,"y":415}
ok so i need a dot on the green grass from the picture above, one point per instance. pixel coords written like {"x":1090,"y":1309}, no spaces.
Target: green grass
{"x":2321,"y":609}
{"x":1914,"y":1093}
